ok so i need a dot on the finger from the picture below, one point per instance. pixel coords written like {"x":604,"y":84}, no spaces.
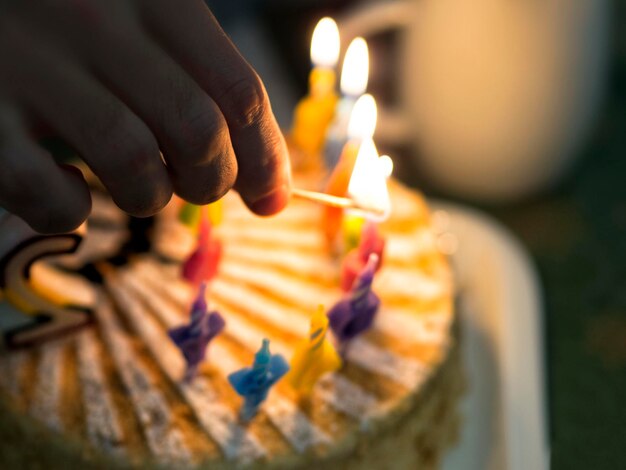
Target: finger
{"x":50,"y":198}
{"x":113,"y":141}
{"x":188,"y":125}
{"x":188,"y":30}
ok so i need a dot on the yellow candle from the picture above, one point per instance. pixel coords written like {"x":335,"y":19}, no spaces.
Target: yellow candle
{"x":215,"y":211}
{"x":313,"y":357}
{"x":189,"y":214}
{"x":351,"y":228}
{"x":315,"y":112}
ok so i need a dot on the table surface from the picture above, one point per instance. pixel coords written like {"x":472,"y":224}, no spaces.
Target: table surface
{"x":577,"y":235}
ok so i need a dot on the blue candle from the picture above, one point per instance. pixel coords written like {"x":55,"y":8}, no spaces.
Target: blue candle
{"x":253,"y":383}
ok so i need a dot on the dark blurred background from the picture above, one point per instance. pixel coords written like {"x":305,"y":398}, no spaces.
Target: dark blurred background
{"x":575,"y":231}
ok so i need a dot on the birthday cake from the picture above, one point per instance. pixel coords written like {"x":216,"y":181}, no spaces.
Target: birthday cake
{"x":116,"y":393}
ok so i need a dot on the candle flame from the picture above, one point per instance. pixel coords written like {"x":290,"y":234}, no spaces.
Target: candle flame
{"x":386,"y":165}
{"x":325,"y":43}
{"x":368,"y":184}
{"x":363,"y":118}
{"x":355,"y":70}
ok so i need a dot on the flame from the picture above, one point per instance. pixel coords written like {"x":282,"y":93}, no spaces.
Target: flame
{"x":386,"y":165}
{"x":355,"y":70}
{"x":325,"y":43}
{"x":363,"y":118}
{"x":368,"y":183}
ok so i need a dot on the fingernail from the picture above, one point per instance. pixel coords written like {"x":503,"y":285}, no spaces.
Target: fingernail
{"x":271,"y":203}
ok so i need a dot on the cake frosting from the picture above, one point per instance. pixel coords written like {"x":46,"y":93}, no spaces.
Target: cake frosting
{"x":114,"y":393}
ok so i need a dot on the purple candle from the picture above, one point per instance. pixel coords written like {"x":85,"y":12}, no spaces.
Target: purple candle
{"x":354,"y":314}
{"x":193,"y":339}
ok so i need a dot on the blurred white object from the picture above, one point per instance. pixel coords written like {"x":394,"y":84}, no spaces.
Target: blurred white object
{"x":504,"y":410}
{"x":497,"y":95}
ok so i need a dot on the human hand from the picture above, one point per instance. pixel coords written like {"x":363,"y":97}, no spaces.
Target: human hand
{"x":122,"y":82}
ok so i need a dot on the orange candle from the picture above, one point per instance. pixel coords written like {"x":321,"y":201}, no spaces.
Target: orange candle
{"x":361,"y":127}
{"x":338,"y":186}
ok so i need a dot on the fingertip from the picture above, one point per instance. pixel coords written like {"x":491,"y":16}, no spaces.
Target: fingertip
{"x":55,"y":222}
{"x":143,"y":201}
{"x":265,"y":183}
{"x":209,"y":182}
{"x":64,"y":211}
{"x":271,"y":203}
{"x":58,"y":218}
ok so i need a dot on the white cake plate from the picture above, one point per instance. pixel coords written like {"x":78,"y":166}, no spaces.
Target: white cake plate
{"x":504,"y":409}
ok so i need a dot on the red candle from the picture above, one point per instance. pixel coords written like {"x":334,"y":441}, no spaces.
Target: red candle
{"x":356,"y":259}
{"x":203,"y":263}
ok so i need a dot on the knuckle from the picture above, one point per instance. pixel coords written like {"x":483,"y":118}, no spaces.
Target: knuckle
{"x":130,"y":147}
{"x":247,"y":100}
{"x":140,"y":154}
{"x":132,"y":168}
{"x":100,"y":16}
